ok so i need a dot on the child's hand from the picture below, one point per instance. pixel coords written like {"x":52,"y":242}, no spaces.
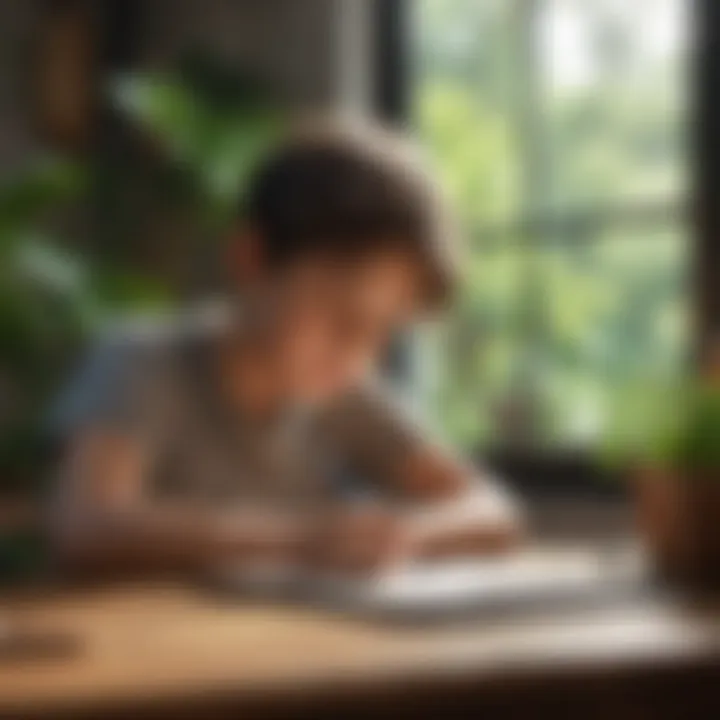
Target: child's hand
{"x":361,"y":539}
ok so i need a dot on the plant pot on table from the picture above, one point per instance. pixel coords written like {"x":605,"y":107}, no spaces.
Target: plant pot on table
{"x":678,"y":515}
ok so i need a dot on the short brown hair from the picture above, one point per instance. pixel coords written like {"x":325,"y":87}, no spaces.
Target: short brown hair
{"x":347,"y":191}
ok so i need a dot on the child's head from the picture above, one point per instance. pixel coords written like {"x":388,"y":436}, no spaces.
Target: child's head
{"x":344,"y":243}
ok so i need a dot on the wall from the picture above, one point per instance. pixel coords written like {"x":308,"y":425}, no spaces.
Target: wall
{"x":17,"y":21}
{"x":316,"y":52}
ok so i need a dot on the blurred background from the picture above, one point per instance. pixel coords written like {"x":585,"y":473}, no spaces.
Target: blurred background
{"x":578,"y":143}
{"x":558,"y":127}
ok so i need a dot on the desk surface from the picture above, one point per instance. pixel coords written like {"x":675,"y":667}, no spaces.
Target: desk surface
{"x":172,"y":643}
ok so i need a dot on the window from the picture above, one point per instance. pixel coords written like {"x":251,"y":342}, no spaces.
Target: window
{"x":557,"y":127}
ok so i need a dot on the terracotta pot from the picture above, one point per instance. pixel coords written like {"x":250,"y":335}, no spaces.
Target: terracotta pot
{"x":678,"y":514}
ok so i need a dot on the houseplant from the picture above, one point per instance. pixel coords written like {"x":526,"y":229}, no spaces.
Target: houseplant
{"x":667,"y":438}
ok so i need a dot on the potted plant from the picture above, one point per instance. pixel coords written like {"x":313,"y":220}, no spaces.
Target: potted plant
{"x":667,"y":438}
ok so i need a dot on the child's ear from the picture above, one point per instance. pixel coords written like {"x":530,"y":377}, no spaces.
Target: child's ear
{"x":244,"y":256}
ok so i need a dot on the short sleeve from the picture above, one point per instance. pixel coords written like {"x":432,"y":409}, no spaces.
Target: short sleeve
{"x":115,"y":389}
{"x":374,"y":431}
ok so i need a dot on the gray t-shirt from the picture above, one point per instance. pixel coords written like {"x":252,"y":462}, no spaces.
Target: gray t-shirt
{"x":154,"y":382}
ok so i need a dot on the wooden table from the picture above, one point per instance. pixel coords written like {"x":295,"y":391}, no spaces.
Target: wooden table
{"x":173,"y":651}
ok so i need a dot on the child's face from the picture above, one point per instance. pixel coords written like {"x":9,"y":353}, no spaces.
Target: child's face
{"x":332,"y":320}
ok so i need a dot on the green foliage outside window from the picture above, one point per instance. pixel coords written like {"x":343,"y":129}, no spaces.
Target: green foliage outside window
{"x":558,"y":130}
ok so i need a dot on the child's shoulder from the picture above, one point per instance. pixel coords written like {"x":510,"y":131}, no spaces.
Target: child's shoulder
{"x":154,"y":344}
{"x":135,"y":361}
{"x":376,"y":412}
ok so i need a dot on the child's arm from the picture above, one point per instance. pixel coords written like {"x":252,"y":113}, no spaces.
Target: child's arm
{"x":103,"y":522}
{"x":445,"y":506}
{"x":451,"y":509}
{"x":444,"y":512}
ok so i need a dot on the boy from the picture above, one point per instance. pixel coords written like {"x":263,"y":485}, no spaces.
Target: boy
{"x":220,"y":438}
